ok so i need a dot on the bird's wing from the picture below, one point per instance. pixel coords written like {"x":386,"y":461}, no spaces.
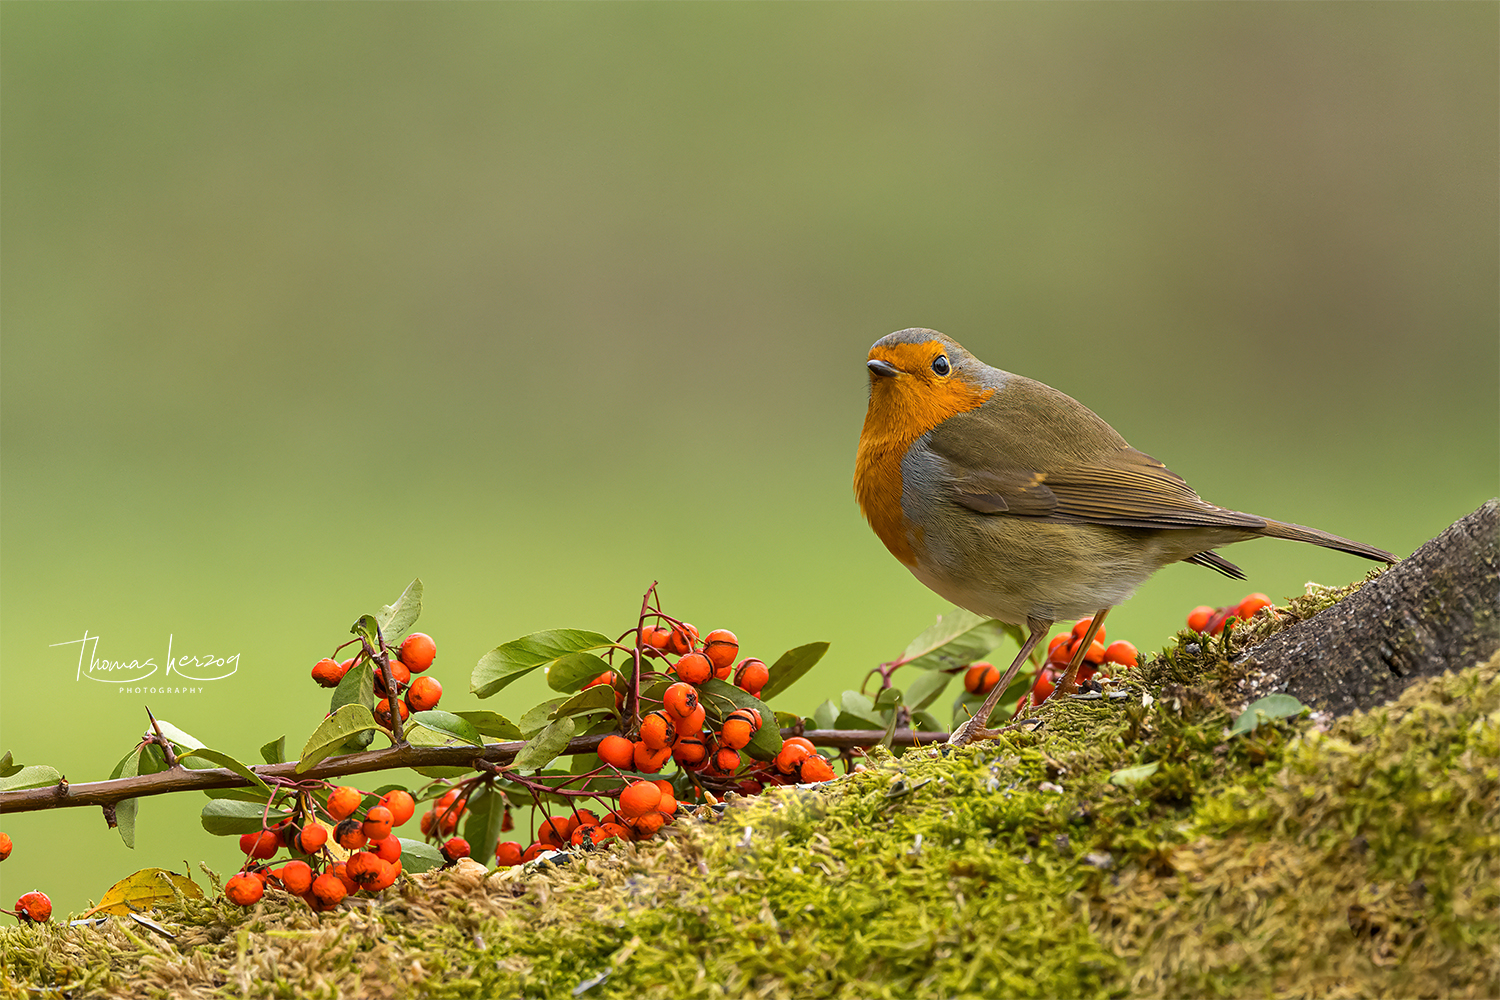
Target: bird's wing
{"x":1123,"y":487}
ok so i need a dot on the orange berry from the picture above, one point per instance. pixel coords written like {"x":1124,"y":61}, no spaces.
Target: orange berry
{"x":456,"y":848}
{"x":608,"y":677}
{"x":585,"y":817}
{"x":555,"y":831}
{"x":418,"y":651}
{"x":1043,"y":686}
{"x":816,"y":768}
{"x":328,"y":889}
{"x":350,"y":834}
{"x":366,"y":868}
{"x":801,"y":741}
{"x":296,"y":877}
{"x":1199,"y":617}
{"x":694,"y":668}
{"x":1082,"y":628}
{"x":328,"y":673}
{"x":448,"y":821}
{"x":721,"y":647}
{"x":1095,"y":654}
{"x":693,"y":723}
{"x":429,"y":820}
{"x":534,"y":851}
{"x":654,"y":638}
{"x":613,"y":830}
{"x":1121,"y":651}
{"x":343,"y":801}
{"x":383,"y":711}
{"x":736,"y":733}
{"x":639,"y":798}
{"x":243,"y":889}
{"x":791,"y":755}
{"x":682,"y":640}
{"x":1057,"y":648}
{"x":649,"y":760}
{"x":400,"y":803}
{"x":1251,"y":604}
{"x":312,"y":838}
{"x":668,"y":804}
{"x":980,"y":677}
{"x":341,"y":872}
{"x":389,"y":849}
{"x":725,"y":761}
{"x":378,"y":823}
{"x":387,"y":877}
{"x":690,"y":751}
{"x":400,"y":673}
{"x":261,"y":844}
{"x":508,"y":853}
{"x":423,"y":694}
{"x":680,"y":700}
{"x":657,"y":731}
{"x":752,"y":675}
{"x":647,"y":825}
{"x":5,"y":846}
{"x":616,"y":751}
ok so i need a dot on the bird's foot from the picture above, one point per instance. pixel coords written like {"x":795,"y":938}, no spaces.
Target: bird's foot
{"x":972,"y":732}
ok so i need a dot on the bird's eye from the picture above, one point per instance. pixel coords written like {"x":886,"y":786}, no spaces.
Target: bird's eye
{"x":940,"y":364}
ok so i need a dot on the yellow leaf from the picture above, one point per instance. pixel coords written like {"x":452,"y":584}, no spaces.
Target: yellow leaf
{"x":147,"y":888}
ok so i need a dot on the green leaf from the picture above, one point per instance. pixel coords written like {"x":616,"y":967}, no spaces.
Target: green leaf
{"x":225,"y":817}
{"x":959,"y":638}
{"x":1127,"y":776}
{"x":180,"y":739}
{"x":824,"y":715}
{"x":517,"y":658}
{"x":127,"y":810}
{"x":714,"y":693}
{"x":482,"y":827}
{"x":888,"y":698}
{"x":275,"y":751}
{"x":571,"y":672}
{"x":600,"y":698}
{"x":535,"y":719}
{"x":417,"y":856}
{"x":224,"y":760}
{"x":492,"y":724}
{"x":31,"y":776}
{"x":401,"y":614}
{"x":356,"y":688}
{"x":1272,"y":706}
{"x":242,"y":794}
{"x":847,"y":721}
{"x":334,"y":731}
{"x":449,"y":724}
{"x":791,"y":665}
{"x":544,"y":747}
{"x":8,"y":766}
{"x":926,"y":722}
{"x":365,"y":627}
{"x":926,"y":688}
{"x":443,"y":771}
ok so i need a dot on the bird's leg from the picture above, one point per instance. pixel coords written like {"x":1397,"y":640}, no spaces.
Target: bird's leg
{"x":974,"y":728}
{"x":1065,"y":684}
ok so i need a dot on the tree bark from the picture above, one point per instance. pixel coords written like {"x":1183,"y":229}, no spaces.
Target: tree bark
{"x":1435,"y":611}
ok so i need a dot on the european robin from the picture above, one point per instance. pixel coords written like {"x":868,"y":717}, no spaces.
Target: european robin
{"x":1017,"y":502}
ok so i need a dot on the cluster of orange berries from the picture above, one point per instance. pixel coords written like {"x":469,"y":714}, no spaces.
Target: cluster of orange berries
{"x":33,"y":907}
{"x":677,"y":730}
{"x":373,"y":864}
{"x":981,"y":677}
{"x":644,"y":808}
{"x":416,"y":655}
{"x":1215,"y":620}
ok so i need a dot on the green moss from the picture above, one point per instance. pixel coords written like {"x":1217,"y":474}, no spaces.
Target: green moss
{"x":1361,"y":858}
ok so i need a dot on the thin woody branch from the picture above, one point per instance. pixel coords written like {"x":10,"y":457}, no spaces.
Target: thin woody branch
{"x":180,"y":779}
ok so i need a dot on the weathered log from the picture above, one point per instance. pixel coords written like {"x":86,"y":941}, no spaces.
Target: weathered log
{"x":1437,"y":610}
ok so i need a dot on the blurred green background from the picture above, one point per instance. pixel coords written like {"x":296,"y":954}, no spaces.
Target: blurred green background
{"x":541,"y":303}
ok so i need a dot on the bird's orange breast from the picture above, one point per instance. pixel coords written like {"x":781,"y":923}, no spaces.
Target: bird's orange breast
{"x":902,"y":409}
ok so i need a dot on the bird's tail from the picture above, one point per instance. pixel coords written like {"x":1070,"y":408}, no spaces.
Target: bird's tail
{"x":1299,"y":533}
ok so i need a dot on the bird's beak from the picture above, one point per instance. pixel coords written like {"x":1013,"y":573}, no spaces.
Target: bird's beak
{"x":884,"y":368}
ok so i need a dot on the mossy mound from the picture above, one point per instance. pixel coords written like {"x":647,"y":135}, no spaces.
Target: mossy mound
{"x":1354,"y":857}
